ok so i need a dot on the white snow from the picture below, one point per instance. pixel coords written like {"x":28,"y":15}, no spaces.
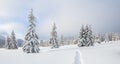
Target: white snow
{"x":104,"y":53}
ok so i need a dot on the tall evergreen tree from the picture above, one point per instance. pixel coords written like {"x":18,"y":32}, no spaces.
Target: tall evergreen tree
{"x":97,"y":38}
{"x":53,"y":39}
{"x":85,"y":36}
{"x":106,"y":37}
{"x":13,"y":41}
{"x":10,"y":42}
{"x":89,"y":36}
{"x":81,"y":39}
{"x":7,"y":42}
{"x":31,"y":44}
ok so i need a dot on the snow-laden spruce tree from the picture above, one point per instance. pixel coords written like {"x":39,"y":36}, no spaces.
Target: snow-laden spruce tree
{"x":77,"y":58}
{"x":7,"y":42}
{"x":106,"y":37}
{"x":10,"y":42}
{"x":115,"y":36}
{"x":85,"y":36}
{"x":97,"y":38}
{"x":82,"y":37}
{"x":53,"y":39}
{"x":31,"y":44}
{"x":89,"y":36}
{"x":13,"y":41}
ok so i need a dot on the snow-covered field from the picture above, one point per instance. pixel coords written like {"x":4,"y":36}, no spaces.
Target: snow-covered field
{"x":105,"y":53}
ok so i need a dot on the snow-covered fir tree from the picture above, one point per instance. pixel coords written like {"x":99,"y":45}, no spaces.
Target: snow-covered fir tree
{"x":97,"y":38}
{"x":115,"y":36}
{"x":85,"y":36}
{"x":10,"y":42}
{"x":13,"y":41}
{"x":7,"y":42}
{"x":89,"y":36}
{"x":31,"y":44}
{"x":102,"y":37}
{"x":53,"y":39}
{"x":107,"y":39}
{"x":77,"y":58}
{"x":81,"y":40}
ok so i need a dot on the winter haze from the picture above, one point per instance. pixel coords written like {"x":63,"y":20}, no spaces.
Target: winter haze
{"x":69,"y":15}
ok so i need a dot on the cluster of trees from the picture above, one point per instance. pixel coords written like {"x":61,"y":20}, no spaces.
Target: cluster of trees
{"x":31,"y":43}
{"x":11,"y":42}
{"x":95,"y":38}
{"x":85,"y":36}
{"x":98,"y":38}
{"x":61,"y":41}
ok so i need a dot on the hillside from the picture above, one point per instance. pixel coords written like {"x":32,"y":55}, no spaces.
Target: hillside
{"x":105,"y":53}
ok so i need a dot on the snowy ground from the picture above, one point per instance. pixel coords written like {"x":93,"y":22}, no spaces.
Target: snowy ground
{"x":105,"y":53}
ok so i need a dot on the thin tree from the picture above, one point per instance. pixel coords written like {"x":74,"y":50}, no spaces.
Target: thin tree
{"x":7,"y":42}
{"x":89,"y":36}
{"x":53,"y":39}
{"x":81,"y":39}
{"x":13,"y":41}
{"x":97,"y":38}
{"x":31,"y":44}
{"x":107,"y":37}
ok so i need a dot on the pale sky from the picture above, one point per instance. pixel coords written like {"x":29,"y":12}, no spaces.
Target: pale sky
{"x":69,"y":15}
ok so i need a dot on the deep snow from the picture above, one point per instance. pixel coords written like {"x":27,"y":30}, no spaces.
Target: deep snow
{"x":105,"y":53}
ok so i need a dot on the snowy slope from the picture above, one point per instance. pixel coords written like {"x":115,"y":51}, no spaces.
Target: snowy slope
{"x":105,"y":53}
{"x":46,"y":56}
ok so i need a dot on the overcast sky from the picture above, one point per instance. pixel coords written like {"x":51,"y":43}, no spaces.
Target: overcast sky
{"x":69,"y":15}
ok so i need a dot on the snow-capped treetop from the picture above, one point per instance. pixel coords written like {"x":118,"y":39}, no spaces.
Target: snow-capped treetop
{"x":54,"y":27}
{"x":81,"y":31}
{"x":13,"y":35}
{"x":31,"y":17}
{"x":87,"y":27}
{"x":54,"y":33}
{"x":89,"y":31}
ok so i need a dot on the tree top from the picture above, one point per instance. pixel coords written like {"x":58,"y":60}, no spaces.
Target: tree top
{"x":31,"y":16}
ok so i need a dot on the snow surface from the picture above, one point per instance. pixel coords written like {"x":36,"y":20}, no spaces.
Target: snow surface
{"x":104,"y":53}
